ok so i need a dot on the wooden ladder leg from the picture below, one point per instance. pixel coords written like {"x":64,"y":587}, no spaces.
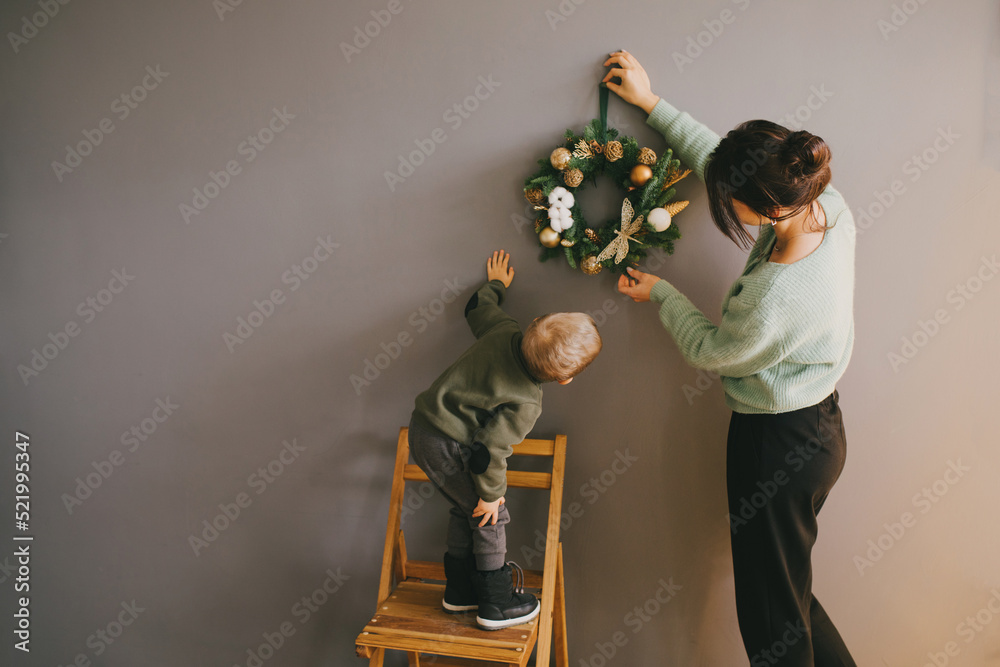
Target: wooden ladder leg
{"x":414,"y":658}
{"x":399,"y":564}
{"x":395,"y":508}
{"x":560,"y":644}
{"x":551,"y":552}
{"x":378,"y":655}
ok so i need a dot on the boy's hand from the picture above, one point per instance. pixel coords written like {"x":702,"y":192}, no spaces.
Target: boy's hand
{"x":488,"y":511}
{"x":496,"y":268}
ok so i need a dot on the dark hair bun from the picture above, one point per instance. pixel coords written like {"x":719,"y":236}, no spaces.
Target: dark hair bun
{"x":804,"y":153}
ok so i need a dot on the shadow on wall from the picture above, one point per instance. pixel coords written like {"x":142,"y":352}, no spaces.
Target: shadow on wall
{"x":275,"y":522}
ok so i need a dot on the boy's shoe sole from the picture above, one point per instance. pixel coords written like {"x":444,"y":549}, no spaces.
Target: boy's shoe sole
{"x":489,"y":624}
{"x":458,"y":608}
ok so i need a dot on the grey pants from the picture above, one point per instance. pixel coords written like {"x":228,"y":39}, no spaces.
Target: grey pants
{"x":446,"y":463}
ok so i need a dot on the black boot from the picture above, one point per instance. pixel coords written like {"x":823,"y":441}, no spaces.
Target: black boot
{"x":500,"y":605}
{"x":459,"y":593}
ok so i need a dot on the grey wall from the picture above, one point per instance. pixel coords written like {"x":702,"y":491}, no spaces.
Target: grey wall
{"x":889,"y":95}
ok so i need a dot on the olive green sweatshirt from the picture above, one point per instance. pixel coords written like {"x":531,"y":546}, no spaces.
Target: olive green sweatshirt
{"x":487,"y":399}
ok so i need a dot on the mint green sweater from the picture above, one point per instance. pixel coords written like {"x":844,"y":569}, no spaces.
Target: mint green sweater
{"x":787,"y":330}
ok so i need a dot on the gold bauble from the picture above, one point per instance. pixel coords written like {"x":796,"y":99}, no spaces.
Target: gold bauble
{"x":647,"y":156}
{"x":640,"y":174}
{"x":560,"y":158}
{"x":590,"y":265}
{"x":548,"y":237}
{"x":574,"y":177}
{"x":613,"y":151}
{"x":534,"y":196}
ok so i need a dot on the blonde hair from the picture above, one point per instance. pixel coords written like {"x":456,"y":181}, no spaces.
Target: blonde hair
{"x":559,"y":346}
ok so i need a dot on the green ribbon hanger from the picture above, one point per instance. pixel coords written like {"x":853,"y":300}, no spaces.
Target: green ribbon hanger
{"x":603,"y":92}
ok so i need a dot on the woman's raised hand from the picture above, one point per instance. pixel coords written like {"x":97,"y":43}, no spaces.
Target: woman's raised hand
{"x":634,"y":87}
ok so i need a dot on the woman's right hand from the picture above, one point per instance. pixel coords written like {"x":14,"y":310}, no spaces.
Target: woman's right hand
{"x":637,"y":284}
{"x":634,"y":87}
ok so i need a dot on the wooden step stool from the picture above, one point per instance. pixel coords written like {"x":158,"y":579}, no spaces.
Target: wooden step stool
{"x":409,"y":616}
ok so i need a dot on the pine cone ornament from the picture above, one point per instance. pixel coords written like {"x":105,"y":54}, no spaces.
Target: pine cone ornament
{"x":573,"y":177}
{"x":560,"y":158}
{"x":673,"y":208}
{"x":613,"y":151}
{"x":534,"y":196}
{"x":592,"y":236}
{"x":647,"y":156}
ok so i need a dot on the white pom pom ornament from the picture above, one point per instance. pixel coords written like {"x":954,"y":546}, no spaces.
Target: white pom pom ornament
{"x":560,"y":218}
{"x":659,"y":218}
{"x":561,"y":197}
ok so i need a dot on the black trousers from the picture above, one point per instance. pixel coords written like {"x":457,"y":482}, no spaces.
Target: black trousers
{"x":779,"y":470}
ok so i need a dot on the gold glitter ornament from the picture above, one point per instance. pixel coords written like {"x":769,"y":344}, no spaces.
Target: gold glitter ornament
{"x":592,"y":235}
{"x":560,"y":158}
{"x":613,"y":151}
{"x":590,"y":265}
{"x":566,"y":243}
{"x":676,"y":177}
{"x":647,"y":156}
{"x":574,"y":177}
{"x":548,"y":237}
{"x":583,"y":150}
{"x":618,"y":248}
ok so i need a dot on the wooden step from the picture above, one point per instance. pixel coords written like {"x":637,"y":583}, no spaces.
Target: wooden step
{"x":412,"y":620}
{"x":441,"y":661}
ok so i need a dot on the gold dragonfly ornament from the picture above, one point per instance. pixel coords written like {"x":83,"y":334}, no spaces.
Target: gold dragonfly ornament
{"x":619,"y":244}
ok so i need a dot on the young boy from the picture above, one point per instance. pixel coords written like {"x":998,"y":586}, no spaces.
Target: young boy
{"x":465,"y":425}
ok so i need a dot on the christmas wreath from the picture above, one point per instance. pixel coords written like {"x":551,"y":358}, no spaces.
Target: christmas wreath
{"x":647,"y":210}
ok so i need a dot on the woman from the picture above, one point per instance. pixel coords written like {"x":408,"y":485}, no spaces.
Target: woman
{"x":786,"y":337}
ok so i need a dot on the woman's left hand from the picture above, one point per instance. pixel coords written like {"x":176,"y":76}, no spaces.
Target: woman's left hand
{"x":637,"y":284}
{"x":634,"y":87}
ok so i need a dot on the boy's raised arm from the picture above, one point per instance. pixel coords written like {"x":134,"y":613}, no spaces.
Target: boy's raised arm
{"x":483,"y":310}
